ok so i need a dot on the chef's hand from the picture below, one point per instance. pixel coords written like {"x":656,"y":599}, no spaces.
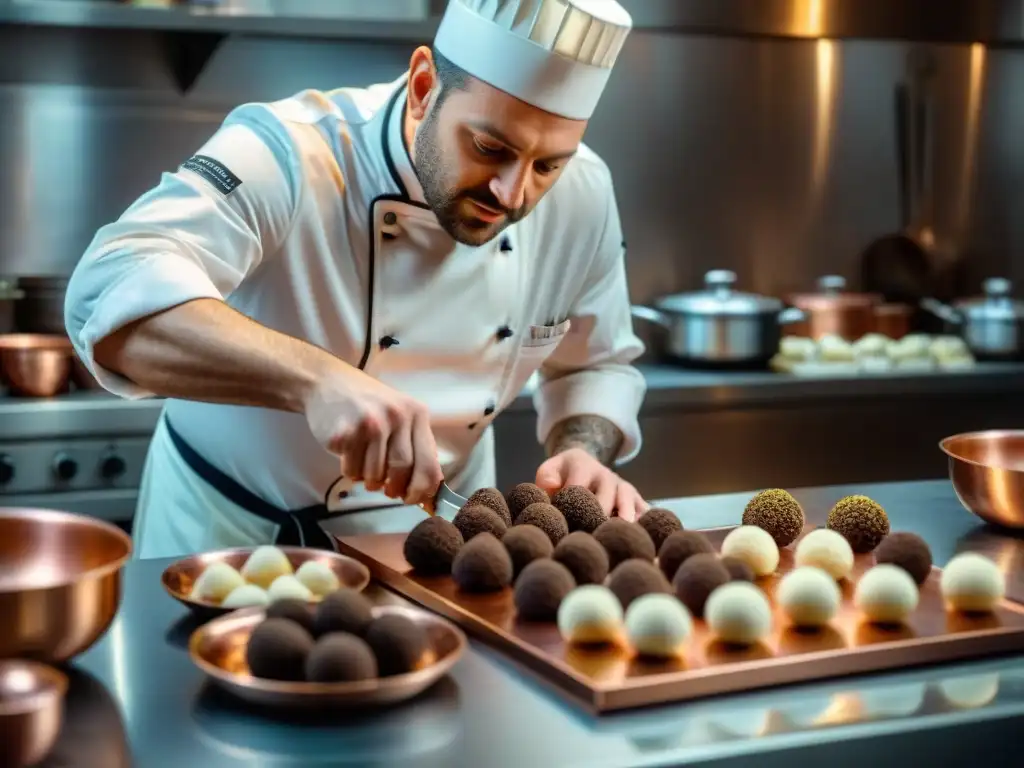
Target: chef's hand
{"x":382,"y":435}
{"x":577,"y":467}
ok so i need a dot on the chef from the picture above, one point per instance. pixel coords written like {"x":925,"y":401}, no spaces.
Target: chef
{"x":339,"y":292}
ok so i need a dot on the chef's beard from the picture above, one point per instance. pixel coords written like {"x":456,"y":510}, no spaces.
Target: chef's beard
{"x":444,"y":198}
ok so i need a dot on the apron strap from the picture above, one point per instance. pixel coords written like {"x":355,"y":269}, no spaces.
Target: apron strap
{"x":300,"y":527}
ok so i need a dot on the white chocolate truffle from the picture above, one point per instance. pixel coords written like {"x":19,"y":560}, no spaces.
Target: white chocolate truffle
{"x":245,"y":596}
{"x":754,"y":546}
{"x":658,"y":625}
{"x":825,"y":549}
{"x":808,"y":597}
{"x":216,"y":582}
{"x":318,"y":578}
{"x":739,"y":613}
{"x":590,"y":614}
{"x":288,"y":587}
{"x":264,"y":565}
{"x":886,"y":594}
{"x":972,"y":583}
{"x":798,"y":348}
{"x":835,"y":349}
{"x":871,"y":345}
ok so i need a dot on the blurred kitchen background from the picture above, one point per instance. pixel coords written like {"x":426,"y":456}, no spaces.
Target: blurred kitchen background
{"x":785,"y":141}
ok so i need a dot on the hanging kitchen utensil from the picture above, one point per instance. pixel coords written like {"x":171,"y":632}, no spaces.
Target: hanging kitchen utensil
{"x":719,"y":326}
{"x":992,"y":325}
{"x":833,"y":311}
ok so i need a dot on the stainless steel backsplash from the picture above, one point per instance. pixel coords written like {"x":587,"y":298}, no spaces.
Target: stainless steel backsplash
{"x":773,"y":158}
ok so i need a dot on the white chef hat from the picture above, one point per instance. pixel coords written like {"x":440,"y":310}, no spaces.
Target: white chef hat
{"x":554,"y":54}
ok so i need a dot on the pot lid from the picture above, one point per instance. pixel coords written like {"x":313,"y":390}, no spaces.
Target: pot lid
{"x":996,"y":303}
{"x":719,"y":298}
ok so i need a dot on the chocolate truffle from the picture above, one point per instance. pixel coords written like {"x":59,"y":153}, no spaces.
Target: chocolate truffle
{"x":474,"y":520}
{"x":526,"y":543}
{"x":340,"y":658}
{"x":777,"y":512}
{"x":431,"y":547}
{"x":635,"y":578}
{"x":277,"y":650}
{"x":540,"y":590}
{"x":680,"y":547}
{"x":584,"y":557}
{"x":482,"y":565}
{"x":697,"y":578}
{"x":738,"y":570}
{"x":624,"y":540}
{"x":343,"y":611}
{"x":910,"y":552}
{"x":581,"y":508}
{"x":547,"y":518}
{"x":399,"y":644}
{"x":861,"y":521}
{"x":659,"y":524}
{"x":523,"y":495}
{"x":298,"y":611}
{"x":494,"y":501}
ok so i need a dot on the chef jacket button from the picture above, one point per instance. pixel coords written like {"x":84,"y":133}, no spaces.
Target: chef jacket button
{"x":390,"y":218}
{"x":386,"y":342}
{"x":342,"y":494}
{"x":504,"y":332}
{"x":489,"y":410}
{"x":623,"y":244}
{"x":506,"y":246}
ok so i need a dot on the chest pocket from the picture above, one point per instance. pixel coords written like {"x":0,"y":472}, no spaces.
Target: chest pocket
{"x":536,"y":346}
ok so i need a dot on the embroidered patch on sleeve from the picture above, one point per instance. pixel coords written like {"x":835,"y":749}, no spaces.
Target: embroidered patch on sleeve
{"x":215,"y":173}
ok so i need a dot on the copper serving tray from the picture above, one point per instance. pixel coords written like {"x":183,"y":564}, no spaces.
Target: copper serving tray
{"x":609,"y":680}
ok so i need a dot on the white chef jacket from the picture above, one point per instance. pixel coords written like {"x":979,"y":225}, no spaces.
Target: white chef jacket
{"x":306,"y":215}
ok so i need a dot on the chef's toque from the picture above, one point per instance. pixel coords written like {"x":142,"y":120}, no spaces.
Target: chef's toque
{"x":554,"y":54}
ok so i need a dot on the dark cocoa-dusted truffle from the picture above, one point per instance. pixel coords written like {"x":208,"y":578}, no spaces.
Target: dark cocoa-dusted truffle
{"x":526,"y":543}
{"x":547,"y":518}
{"x":494,"y":501}
{"x":340,"y":658}
{"x":580,"y":507}
{"x":861,"y":521}
{"x":277,"y":650}
{"x":584,"y":557}
{"x":738,"y":569}
{"x":659,"y":524}
{"x":697,"y":578}
{"x":680,"y":547}
{"x":540,"y":589}
{"x":482,"y":565}
{"x":635,"y":578}
{"x":298,"y":611}
{"x":399,"y":644}
{"x":908,"y":551}
{"x":523,"y":495}
{"x":344,"y":610}
{"x":474,"y":520}
{"x":624,"y":540}
{"x":431,"y":547}
{"x":777,"y":512}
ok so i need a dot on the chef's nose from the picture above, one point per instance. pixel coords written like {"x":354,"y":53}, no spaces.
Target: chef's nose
{"x":510,"y":186}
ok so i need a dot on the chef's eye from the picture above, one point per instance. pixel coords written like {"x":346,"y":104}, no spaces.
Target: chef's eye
{"x":489,"y":150}
{"x":544,"y":168}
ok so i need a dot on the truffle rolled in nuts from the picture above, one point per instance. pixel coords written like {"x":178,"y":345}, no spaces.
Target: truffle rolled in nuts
{"x":494,"y":501}
{"x":580,"y":507}
{"x":522,"y":496}
{"x":861,"y":521}
{"x":777,"y":512}
{"x":547,"y":518}
{"x":474,"y":520}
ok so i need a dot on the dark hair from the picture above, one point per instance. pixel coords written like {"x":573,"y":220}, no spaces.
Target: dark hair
{"x":451,"y":77}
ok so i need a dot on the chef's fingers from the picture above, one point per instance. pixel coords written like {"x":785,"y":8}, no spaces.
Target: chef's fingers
{"x":400,"y":461}
{"x":605,"y":492}
{"x":579,"y":475}
{"x":628,"y":503}
{"x":426,"y":471}
{"x":377,"y":429}
{"x":353,"y":455}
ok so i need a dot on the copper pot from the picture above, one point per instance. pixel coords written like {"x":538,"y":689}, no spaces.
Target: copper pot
{"x":31,"y":710}
{"x":894,"y":320}
{"x":833,"y":311}
{"x":35,"y":365}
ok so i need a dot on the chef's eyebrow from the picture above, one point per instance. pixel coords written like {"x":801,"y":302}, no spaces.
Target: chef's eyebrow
{"x":497,"y":134}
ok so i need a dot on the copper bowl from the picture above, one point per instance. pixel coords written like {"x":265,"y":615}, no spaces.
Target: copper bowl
{"x":987,"y":472}
{"x":35,"y":365}
{"x":60,"y":582}
{"x":31,"y":710}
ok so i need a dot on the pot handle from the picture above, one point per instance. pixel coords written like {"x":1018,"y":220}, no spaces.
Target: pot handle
{"x":942,"y":311}
{"x":792,"y":315}
{"x":651,"y":315}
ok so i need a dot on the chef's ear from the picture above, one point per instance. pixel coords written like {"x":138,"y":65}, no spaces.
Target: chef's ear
{"x":423,"y":82}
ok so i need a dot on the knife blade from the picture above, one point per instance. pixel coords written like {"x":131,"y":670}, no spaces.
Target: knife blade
{"x":445,"y":501}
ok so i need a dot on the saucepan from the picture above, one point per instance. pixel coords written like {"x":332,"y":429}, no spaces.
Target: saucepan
{"x":35,"y":365}
{"x":719,"y":325}
{"x":987,"y":472}
{"x":992,"y":325}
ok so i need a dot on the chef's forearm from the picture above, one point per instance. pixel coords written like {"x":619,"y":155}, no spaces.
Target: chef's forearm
{"x":205,"y":350}
{"x":593,"y":434}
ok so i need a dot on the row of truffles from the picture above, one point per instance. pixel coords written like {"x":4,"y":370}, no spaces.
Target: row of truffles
{"x":337,"y":641}
{"x":266,"y":577}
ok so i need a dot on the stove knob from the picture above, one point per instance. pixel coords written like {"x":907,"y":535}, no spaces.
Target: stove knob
{"x":6,"y":469}
{"x":112,"y":466}
{"x":64,"y":467}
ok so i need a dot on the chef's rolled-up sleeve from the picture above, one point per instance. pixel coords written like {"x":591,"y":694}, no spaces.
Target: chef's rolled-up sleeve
{"x":196,"y":235}
{"x":591,"y":371}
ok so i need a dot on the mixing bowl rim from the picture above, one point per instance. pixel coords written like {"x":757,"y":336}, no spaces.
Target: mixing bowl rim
{"x":38,"y":700}
{"x":943,"y":445}
{"x":57,"y":515}
{"x":52,"y":342}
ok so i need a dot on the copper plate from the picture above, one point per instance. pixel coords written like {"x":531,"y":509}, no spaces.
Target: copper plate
{"x":218,"y":649}
{"x":179,"y":577}
{"x":610,"y":679}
